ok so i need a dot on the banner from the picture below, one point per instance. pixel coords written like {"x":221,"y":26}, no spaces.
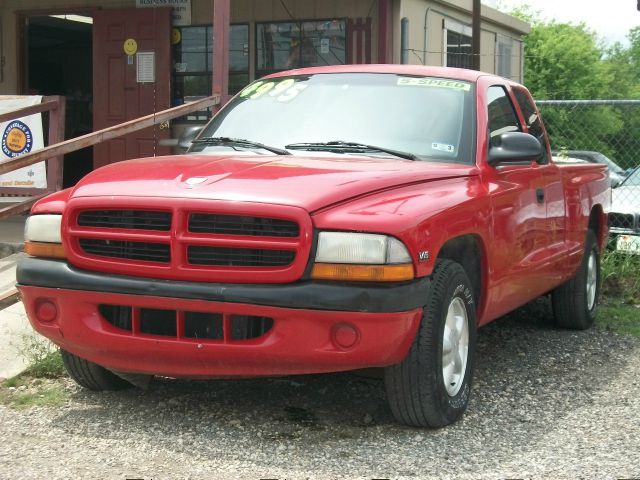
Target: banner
{"x":21,"y":136}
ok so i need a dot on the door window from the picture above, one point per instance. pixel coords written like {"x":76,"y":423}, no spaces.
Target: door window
{"x":532,"y":120}
{"x":501,"y":114}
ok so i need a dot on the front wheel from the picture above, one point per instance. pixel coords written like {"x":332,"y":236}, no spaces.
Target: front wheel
{"x":575,"y":302}
{"x":90,"y":375}
{"x":432,"y":385}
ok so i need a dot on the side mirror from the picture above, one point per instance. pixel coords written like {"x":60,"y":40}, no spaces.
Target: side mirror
{"x":189,"y":135}
{"x":514,"y":148}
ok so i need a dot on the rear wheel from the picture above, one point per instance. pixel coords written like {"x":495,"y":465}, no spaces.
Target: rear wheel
{"x":91,"y":375}
{"x":575,"y":302}
{"x":431,"y":386}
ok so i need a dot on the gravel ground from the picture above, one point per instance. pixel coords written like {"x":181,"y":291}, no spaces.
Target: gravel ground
{"x":546,"y":404}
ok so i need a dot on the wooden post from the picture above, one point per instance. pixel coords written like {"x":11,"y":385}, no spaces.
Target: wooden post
{"x":56,"y":135}
{"x":221,"y":19}
{"x":384,"y":31}
{"x":475,"y":36}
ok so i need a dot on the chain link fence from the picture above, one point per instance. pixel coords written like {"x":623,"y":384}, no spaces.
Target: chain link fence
{"x":603,"y":131}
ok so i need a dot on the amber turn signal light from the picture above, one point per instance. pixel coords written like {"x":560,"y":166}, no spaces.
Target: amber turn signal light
{"x":362,"y":273}
{"x":42,"y":249}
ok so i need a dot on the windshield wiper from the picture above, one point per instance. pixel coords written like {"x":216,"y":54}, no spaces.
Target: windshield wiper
{"x":240,"y":142}
{"x":341,"y":146}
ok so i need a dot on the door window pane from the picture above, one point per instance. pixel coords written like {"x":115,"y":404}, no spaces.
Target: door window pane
{"x":533,"y":120}
{"x":502,"y":116}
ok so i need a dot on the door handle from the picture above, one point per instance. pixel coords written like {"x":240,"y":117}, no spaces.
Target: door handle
{"x":540,"y":195}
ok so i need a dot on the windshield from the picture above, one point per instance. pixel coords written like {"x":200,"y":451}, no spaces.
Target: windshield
{"x":430,"y":118}
{"x":633,"y":180}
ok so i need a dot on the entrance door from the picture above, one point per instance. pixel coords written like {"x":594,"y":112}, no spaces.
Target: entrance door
{"x":118,"y":92}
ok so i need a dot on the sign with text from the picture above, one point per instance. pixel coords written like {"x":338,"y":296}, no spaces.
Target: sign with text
{"x":180,"y":9}
{"x":19,"y":137}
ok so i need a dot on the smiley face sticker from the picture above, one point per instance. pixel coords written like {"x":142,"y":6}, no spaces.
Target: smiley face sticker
{"x":130,"y":46}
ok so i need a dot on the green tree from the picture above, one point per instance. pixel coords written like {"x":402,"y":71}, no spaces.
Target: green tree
{"x":564,"y":61}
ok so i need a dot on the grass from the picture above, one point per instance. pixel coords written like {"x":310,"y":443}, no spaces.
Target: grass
{"x":33,"y":387}
{"x":621,"y":277}
{"x":620,"y":303}
{"x":42,"y":356}
{"x":620,"y":318}
{"x":36,"y":396}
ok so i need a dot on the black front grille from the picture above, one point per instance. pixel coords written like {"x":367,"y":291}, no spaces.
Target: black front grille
{"x":117,"y":315}
{"x":197,"y":325}
{"x":621,"y":220}
{"x":242,"y":225}
{"x":128,"y":219}
{"x":149,"y":252}
{"x":239,"y":257}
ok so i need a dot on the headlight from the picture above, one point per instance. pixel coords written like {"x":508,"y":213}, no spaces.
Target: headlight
{"x":361,"y":257}
{"x":43,"y":237}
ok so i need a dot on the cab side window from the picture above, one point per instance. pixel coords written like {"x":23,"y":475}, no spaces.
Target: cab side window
{"x":502,"y":116}
{"x":533,"y":120}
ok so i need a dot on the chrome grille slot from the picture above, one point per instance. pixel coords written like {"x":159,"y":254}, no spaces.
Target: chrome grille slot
{"x":242,"y":225}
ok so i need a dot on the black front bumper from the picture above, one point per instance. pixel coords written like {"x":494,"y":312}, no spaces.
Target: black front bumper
{"x":400,"y":297}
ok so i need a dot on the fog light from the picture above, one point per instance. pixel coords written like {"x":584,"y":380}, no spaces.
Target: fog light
{"x":345,"y":335}
{"x":46,"y":310}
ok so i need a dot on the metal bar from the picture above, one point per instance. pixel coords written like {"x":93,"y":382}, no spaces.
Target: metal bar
{"x":19,"y":207}
{"x":404,"y":41}
{"x":31,"y":110}
{"x":220,"y":77}
{"x":109,"y":133}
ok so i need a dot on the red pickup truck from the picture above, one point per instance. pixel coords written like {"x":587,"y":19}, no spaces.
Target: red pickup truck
{"x":326,"y":219}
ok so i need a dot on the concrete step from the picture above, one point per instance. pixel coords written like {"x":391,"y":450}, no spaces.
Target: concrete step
{"x":15,"y":335}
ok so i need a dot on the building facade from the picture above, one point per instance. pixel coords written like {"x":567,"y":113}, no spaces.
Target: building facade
{"x":78,"y":48}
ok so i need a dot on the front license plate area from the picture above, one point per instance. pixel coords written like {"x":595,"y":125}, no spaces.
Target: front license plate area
{"x":628,"y":244}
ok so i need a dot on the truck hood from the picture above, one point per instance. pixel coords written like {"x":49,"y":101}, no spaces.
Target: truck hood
{"x":308,"y":182}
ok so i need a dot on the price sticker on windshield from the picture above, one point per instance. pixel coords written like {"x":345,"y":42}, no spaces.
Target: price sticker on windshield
{"x":283,"y":91}
{"x":434,"y":82}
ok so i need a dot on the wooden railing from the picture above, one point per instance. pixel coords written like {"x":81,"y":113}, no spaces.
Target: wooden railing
{"x":54,"y":152}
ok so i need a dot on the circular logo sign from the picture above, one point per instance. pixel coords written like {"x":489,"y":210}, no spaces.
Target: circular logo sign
{"x":16,"y":139}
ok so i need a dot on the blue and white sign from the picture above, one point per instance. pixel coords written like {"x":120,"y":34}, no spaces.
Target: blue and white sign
{"x":19,"y":137}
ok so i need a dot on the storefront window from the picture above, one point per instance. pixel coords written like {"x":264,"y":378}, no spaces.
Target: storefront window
{"x":458,"y":50}
{"x":192,"y":67}
{"x":457,"y":44}
{"x":285,"y":45}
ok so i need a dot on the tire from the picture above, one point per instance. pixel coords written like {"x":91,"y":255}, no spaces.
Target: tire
{"x":575,"y":302}
{"x":90,"y":375}
{"x":416,"y":388}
